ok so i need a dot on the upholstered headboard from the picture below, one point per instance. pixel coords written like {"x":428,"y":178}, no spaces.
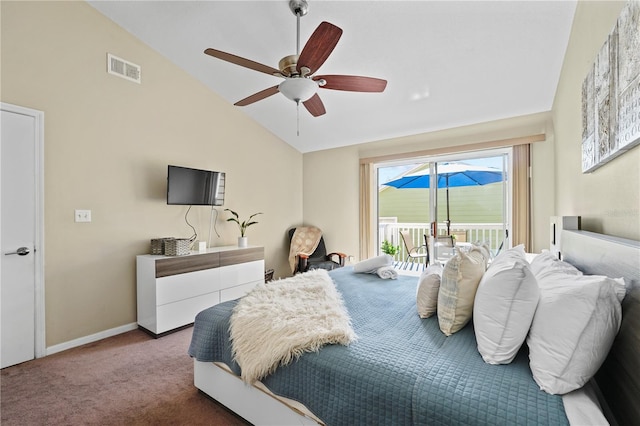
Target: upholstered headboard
{"x":618,"y":379}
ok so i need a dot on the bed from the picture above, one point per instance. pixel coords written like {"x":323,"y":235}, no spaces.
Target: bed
{"x":404,"y":370}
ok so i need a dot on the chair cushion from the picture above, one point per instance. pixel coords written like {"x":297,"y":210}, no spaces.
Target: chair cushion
{"x":327,"y":265}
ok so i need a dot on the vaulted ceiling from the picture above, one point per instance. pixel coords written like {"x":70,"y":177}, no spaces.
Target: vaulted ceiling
{"x":447,"y":63}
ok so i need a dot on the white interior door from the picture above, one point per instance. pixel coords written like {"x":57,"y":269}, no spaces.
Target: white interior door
{"x":22,"y":309}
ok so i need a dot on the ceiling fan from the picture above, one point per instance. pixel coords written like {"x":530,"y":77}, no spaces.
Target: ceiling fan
{"x":300,"y":85}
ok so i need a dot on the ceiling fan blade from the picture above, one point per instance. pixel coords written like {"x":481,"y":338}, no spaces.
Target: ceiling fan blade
{"x":258,"y":96}
{"x":352,"y":83}
{"x":319,"y":46}
{"x":247,"y":63}
{"x":315,"y":106}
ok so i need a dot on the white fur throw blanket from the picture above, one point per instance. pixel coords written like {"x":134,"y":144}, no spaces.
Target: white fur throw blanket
{"x":277,"y":322}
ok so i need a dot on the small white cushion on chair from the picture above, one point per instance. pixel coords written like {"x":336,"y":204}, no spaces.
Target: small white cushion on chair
{"x":427,"y":291}
{"x":574,"y":326}
{"x":505,"y":303}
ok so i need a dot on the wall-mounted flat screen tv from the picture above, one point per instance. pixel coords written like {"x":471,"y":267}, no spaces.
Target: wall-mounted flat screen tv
{"x":187,"y":186}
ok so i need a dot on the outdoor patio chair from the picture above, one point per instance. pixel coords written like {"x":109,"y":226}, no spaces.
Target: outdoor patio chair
{"x":415,"y":252}
{"x":444,"y":247}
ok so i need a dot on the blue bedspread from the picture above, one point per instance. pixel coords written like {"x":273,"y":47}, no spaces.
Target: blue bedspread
{"x":402,"y":370}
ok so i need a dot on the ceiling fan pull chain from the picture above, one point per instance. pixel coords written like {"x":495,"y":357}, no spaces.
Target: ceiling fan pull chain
{"x":297,"y":118}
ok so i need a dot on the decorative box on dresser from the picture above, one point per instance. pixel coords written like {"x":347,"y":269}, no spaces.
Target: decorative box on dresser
{"x":173,"y":289}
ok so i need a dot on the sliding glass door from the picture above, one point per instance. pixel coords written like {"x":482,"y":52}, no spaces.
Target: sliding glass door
{"x":465,"y":197}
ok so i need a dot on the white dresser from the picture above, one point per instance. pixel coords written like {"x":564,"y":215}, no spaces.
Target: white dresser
{"x":173,"y":289}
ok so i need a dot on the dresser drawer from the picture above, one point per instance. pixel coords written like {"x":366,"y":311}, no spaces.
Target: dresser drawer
{"x":184,"y":286}
{"x":174,"y":315}
{"x":240,"y":273}
{"x":237,"y":291}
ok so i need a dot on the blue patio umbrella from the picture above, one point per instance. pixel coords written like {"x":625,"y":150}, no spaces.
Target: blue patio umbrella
{"x":450,"y":175}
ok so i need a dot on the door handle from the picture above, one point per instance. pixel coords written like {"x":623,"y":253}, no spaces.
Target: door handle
{"x":22,"y":251}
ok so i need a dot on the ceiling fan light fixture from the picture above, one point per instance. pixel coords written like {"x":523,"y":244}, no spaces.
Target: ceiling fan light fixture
{"x":298,"y":89}
{"x":300,"y":85}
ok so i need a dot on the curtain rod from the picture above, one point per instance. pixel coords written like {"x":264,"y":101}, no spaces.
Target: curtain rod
{"x":501,"y":143}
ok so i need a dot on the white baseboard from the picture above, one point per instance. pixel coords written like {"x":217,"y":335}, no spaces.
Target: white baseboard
{"x":91,"y":338}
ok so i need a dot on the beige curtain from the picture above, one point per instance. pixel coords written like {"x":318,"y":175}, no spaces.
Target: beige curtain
{"x":521,"y":226}
{"x":366,"y":183}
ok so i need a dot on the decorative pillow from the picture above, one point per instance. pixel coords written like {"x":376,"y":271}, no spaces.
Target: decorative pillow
{"x":505,"y":303}
{"x":547,"y":263}
{"x":458,"y":286}
{"x":574,"y":326}
{"x":371,"y":265}
{"x":427,"y":291}
{"x":484,"y":249}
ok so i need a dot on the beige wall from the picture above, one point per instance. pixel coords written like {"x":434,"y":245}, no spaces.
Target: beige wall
{"x":331,"y":193}
{"x":542,"y":189}
{"x":107,"y":145}
{"x":609,"y":198}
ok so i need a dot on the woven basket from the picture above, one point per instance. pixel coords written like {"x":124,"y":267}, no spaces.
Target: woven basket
{"x":157,"y":245}
{"x":177,"y":246}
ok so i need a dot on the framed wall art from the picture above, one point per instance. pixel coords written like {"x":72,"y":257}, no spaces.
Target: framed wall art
{"x":611,"y":94}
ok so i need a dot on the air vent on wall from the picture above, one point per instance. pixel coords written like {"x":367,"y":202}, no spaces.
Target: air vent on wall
{"x":121,"y":68}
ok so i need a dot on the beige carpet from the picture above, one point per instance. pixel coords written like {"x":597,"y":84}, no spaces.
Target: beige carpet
{"x":129,"y":379}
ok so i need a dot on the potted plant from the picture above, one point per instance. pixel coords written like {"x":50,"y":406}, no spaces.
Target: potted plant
{"x":389,"y":248}
{"x":243,"y":225}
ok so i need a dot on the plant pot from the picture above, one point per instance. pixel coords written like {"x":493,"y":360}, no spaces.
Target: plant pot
{"x":243,"y":241}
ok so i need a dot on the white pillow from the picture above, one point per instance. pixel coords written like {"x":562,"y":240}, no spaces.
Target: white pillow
{"x":427,"y":291}
{"x":460,"y":279}
{"x":371,"y":265}
{"x":574,"y":326}
{"x":505,"y":302}
{"x":546,"y":263}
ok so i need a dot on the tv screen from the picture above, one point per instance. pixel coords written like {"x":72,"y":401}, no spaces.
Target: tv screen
{"x":186,"y":186}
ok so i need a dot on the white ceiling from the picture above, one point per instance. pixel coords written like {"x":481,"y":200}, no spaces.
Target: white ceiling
{"x":447,"y":63}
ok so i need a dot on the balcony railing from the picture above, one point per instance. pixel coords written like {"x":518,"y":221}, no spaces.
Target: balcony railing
{"x":490,"y":233}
